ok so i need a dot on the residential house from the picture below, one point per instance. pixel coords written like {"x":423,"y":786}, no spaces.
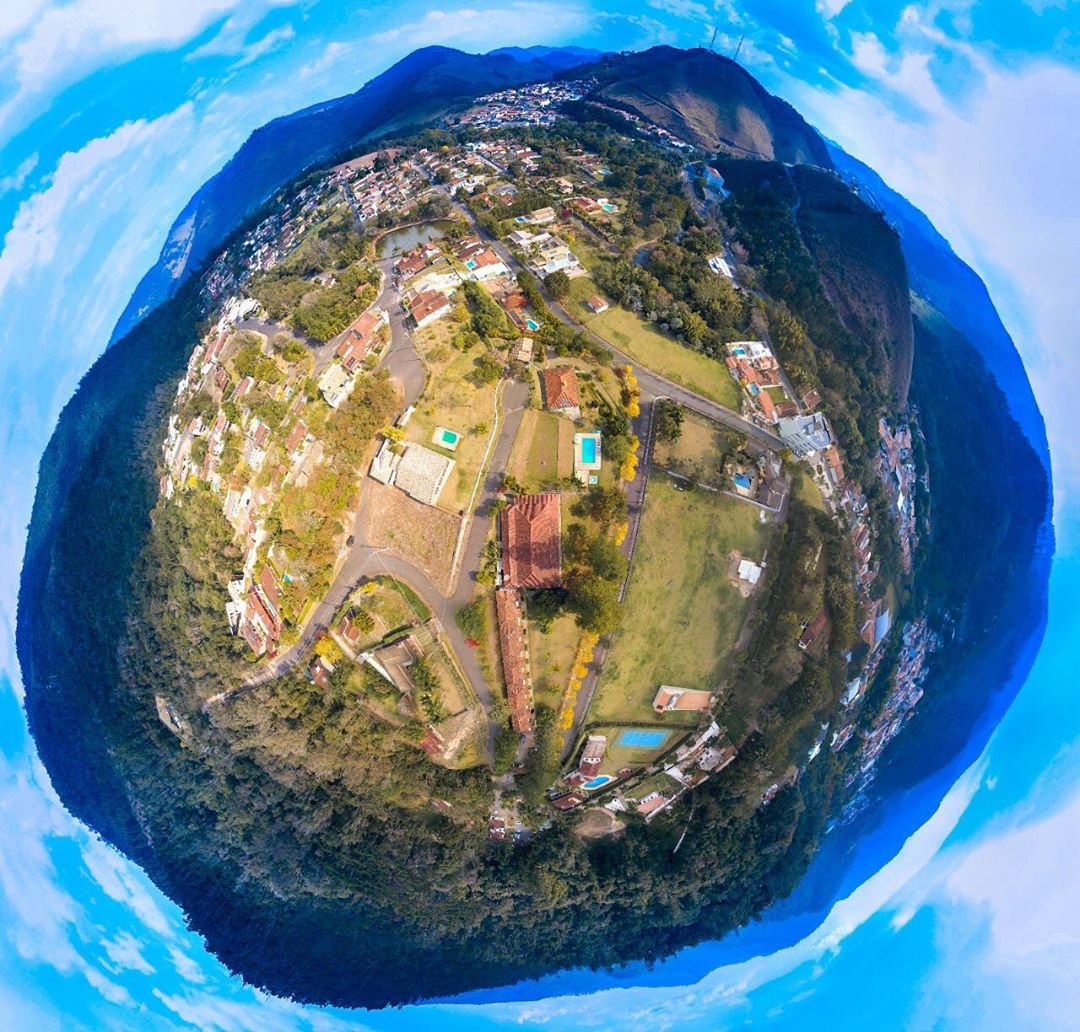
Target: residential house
{"x":561,"y":391}
{"x":531,"y":531}
{"x":668,"y":698}
{"x":429,"y":306}
{"x":597,"y":304}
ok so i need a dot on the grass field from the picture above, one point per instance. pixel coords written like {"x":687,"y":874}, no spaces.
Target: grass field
{"x":639,"y":339}
{"x":390,"y":604}
{"x":453,"y":401}
{"x":681,"y":615}
{"x":544,"y":450}
{"x":699,"y":451}
{"x":807,"y":491}
{"x":551,"y":655}
{"x":617,"y":757}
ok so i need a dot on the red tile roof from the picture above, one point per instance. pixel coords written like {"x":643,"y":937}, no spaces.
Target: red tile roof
{"x":531,"y":530}
{"x":427,"y":302}
{"x":561,"y":388}
{"x":296,"y":435}
{"x":515,"y":657}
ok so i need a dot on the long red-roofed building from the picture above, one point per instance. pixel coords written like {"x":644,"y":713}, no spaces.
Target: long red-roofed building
{"x":531,"y":531}
{"x":514,"y":647}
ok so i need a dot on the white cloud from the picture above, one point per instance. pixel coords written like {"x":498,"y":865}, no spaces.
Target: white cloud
{"x":185,"y":966}
{"x":80,"y":176}
{"x":523,"y":23}
{"x":681,"y":8}
{"x":64,"y":41}
{"x":126,"y":952}
{"x":123,"y":882}
{"x":830,"y":8}
{"x":210,"y":1012}
{"x":18,"y":178}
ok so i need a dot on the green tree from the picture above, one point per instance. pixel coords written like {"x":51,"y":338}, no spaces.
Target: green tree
{"x":558,"y":285}
{"x":669,"y":420}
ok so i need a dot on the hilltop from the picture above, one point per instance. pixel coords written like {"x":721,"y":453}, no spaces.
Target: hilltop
{"x":513,"y":546}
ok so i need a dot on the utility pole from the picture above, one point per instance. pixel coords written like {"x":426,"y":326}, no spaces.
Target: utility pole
{"x":738,"y":48}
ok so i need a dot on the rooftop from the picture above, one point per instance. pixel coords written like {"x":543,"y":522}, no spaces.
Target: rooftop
{"x":531,"y":529}
{"x":561,"y":388}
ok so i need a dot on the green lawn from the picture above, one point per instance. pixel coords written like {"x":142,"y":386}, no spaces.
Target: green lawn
{"x":551,"y":655}
{"x":681,"y":615}
{"x":699,"y":451}
{"x":617,"y":757}
{"x":639,"y":339}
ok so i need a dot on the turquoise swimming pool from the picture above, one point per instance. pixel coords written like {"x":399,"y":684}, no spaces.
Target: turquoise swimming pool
{"x":643,"y":739}
{"x":598,"y":782}
{"x":588,"y":450}
{"x":445,"y":438}
{"x":532,"y":325}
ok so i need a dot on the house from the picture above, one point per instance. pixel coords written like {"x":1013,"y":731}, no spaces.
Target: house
{"x":422,"y":473}
{"x":393,"y":662}
{"x":653,"y":803}
{"x":813,"y":631}
{"x":522,"y":351}
{"x":805,"y":435}
{"x":597,"y":304}
{"x":514,"y":649}
{"x":319,"y":673}
{"x":360,"y":338}
{"x":541,"y":216}
{"x":531,"y":531}
{"x":485,"y":265}
{"x":429,"y":306}
{"x":567,"y":801}
{"x":336,"y":384}
{"x":767,"y":406}
{"x":833,"y":466}
{"x":749,"y":571}
{"x":348,"y":629}
{"x":592,"y":756}
{"x":668,"y":698}
{"x":296,"y":437}
{"x":561,"y":391}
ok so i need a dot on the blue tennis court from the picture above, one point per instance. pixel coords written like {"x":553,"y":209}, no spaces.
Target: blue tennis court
{"x":643,"y":739}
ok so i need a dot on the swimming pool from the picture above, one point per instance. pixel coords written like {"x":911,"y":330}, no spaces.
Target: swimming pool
{"x":532,"y":325}
{"x":598,"y":782}
{"x":588,"y":450}
{"x":445,"y":438}
{"x":643,"y":739}
{"x":609,"y":207}
{"x":470,"y":264}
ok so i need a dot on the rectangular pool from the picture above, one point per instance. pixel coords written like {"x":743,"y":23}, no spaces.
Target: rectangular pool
{"x":635,"y":739}
{"x":445,"y":438}
{"x":588,"y":450}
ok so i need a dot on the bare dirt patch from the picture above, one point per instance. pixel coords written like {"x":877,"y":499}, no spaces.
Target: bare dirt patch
{"x":422,"y":534}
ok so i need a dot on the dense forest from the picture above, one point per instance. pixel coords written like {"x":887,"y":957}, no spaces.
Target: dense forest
{"x":318,"y":851}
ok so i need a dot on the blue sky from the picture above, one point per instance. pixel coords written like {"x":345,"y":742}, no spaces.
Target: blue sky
{"x":112,"y":114}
